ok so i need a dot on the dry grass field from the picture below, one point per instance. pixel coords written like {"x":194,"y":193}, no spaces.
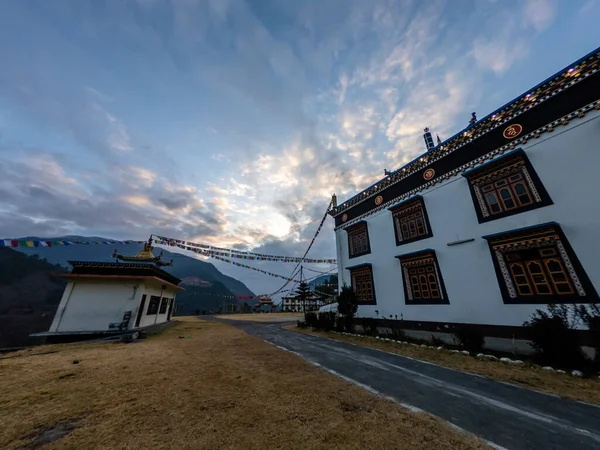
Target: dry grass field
{"x":528,"y":375}
{"x":266,"y":317}
{"x":198,"y":385}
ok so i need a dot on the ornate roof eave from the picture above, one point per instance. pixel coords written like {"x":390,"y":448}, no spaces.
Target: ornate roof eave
{"x":563,"y":79}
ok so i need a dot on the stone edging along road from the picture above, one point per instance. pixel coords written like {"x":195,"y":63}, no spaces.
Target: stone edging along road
{"x":503,"y":415}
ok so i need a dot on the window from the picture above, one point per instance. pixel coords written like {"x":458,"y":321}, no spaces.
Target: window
{"x":358,"y":240}
{"x":410,"y":221}
{"x":362,"y":284}
{"x":164,"y":304}
{"x":153,"y":305}
{"x":506,"y":186}
{"x":537,"y":265}
{"x":422,"y":279}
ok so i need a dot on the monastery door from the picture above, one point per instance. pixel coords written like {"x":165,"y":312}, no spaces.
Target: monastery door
{"x":140,"y":311}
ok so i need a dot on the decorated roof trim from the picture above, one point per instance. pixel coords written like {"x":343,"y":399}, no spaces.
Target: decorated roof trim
{"x":76,"y":276}
{"x":535,"y":134}
{"x":93,"y":267}
{"x":359,"y":266}
{"x":416,"y":252}
{"x":567,"y":77}
{"x":486,"y":165}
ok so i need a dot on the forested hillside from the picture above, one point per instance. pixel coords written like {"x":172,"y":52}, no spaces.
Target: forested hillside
{"x":29,"y":296}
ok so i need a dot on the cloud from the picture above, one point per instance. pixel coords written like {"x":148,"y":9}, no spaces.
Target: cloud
{"x":540,"y":13}
{"x":233,"y":122}
{"x":38,"y":189}
{"x":118,"y":137}
{"x":433,"y":101}
{"x":499,"y":51}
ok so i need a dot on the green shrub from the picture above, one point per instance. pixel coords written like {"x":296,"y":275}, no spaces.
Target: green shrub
{"x":327,"y":321}
{"x":469,"y":338}
{"x":370,"y":326}
{"x":347,"y":307}
{"x":590,"y":314}
{"x":438,"y":342}
{"x":553,"y":338}
{"x":312,"y":320}
{"x":398,"y":333}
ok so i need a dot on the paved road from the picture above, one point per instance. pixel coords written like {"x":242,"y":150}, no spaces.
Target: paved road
{"x":506,"y":415}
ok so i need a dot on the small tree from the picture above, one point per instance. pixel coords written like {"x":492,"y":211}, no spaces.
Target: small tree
{"x":347,"y":307}
{"x":302,"y":294}
{"x":590,"y":314}
{"x":553,"y":337}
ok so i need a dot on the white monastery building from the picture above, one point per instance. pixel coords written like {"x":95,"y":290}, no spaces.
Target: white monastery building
{"x":489,"y":225}
{"x":103,"y":298}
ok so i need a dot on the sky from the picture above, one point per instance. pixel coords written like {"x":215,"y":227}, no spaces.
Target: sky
{"x":232,"y":122}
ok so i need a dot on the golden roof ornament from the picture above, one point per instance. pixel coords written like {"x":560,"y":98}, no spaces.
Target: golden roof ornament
{"x":145,"y":255}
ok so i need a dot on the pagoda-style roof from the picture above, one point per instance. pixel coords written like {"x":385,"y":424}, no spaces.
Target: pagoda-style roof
{"x":144,"y":255}
{"x":112,"y":270}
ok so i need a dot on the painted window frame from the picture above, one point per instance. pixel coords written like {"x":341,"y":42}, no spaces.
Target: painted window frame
{"x":422,"y":258}
{"x":164,"y":305}
{"x":362,"y":267}
{"x":153,"y":305}
{"x":543,"y":236}
{"x":397,"y":211}
{"x":490,"y":172}
{"x":350,"y":231}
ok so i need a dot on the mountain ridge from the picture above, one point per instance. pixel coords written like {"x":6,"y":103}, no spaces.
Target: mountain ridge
{"x":183,"y":266}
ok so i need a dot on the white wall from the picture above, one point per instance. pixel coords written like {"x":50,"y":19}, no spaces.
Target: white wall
{"x":567,"y":162}
{"x":92,"y":306}
{"x":150,"y":289}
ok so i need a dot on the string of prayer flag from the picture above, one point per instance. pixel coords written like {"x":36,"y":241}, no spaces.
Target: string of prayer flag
{"x":204,"y":253}
{"x":15,"y":243}
{"x":231,"y":253}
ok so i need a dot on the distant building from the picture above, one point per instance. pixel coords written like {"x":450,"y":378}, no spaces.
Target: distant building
{"x":293,"y":304}
{"x":490,"y":225}
{"x":265,"y":304}
{"x":112,"y":298}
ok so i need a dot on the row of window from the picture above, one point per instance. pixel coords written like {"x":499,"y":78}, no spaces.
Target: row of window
{"x":503,"y":187}
{"x":307,"y":308}
{"x":155,"y":301}
{"x":533,"y":265}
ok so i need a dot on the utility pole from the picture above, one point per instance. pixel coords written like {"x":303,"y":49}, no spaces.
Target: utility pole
{"x":303,"y":299}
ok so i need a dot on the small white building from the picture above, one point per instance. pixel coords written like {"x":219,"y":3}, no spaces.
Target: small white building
{"x":103,"y":298}
{"x":293,"y":304}
{"x":489,"y":225}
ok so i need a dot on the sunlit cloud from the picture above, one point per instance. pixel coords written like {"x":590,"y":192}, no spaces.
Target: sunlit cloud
{"x":232,"y":123}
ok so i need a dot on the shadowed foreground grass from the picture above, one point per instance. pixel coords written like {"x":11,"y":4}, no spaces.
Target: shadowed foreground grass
{"x":217,"y":388}
{"x":528,"y":375}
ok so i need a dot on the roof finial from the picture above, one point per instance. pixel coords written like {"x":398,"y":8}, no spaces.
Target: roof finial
{"x":473,"y":119}
{"x":439,"y":141}
{"x":428,"y":139}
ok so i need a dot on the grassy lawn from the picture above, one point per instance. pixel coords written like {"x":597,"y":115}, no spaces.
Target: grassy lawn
{"x":528,"y":375}
{"x":216,"y":387}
